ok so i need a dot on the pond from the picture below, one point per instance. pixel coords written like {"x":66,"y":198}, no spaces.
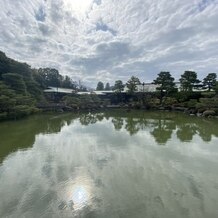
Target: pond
{"x":110,"y":164}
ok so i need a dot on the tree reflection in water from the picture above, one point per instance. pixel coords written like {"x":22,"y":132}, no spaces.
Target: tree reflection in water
{"x":163,"y":131}
{"x":104,"y":164}
{"x":161,"y":125}
{"x":21,"y":134}
{"x":132,"y":125}
{"x":186,"y":132}
{"x":118,"y":122}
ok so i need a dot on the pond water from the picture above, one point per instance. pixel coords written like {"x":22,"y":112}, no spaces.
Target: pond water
{"x":112,"y":164}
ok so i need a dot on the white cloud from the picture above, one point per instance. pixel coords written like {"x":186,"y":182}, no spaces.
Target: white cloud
{"x":120,"y":38}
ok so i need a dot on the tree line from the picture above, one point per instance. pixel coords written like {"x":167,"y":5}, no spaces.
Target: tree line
{"x":21,"y":87}
{"x":166,"y":83}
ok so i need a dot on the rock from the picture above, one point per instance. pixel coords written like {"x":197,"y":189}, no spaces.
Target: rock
{"x":192,"y":111}
{"x":113,"y":106}
{"x":67,"y":108}
{"x":60,"y":110}
{"x":209,"y":113}
{"x":179,"y":108}
{"x":186,"y":111}
{"x":201,"y":110}
{"x":199,"y":114}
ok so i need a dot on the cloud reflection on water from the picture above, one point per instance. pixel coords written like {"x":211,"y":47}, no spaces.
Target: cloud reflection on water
{"x":93,"y":170}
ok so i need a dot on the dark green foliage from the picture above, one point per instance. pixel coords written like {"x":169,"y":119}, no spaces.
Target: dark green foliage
{"x":46,"y":77}
{"x":39,"y":79}
{"x":19,"y":77}
{"x":107,"y":87}
{"x":209,"y":102}
{"x":166,"y":84}
{"x":34,"y":90}
{"x":117,"y":97}
{"x":15,"y":82}
{"x":13,"y":105}
{"x":100,"y":86}
{"x":18,"y":89}
{"x":50,"y":77}
{"x":83,"y":101}
{"x":132,"y":84}
{"x":188,"y":81}
{"x":118,"y":86}
{"x":20,"y":111}
{"x":186,"y":96}
{"x":216,"y":87}
{"x":8,"y":65}
{"x":191,"y":103}
{"x":169,"y":101}
{"x":209,"y":81}
{"x":68,"y":83}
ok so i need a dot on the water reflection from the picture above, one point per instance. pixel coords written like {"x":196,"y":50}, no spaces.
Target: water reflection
{"x":118,"y":122}
{"x":162,"y":126}
{"x":21,"y":134}
{"x":110,"y":165}
{"x":77,"y":193}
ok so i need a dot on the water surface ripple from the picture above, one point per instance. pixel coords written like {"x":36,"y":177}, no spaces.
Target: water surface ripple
{"x":113,"y":164}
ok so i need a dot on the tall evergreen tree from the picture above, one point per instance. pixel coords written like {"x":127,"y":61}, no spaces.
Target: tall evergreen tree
{"x":100,"y":86}
{"x":188,"y":81}
{"x":165,"y":82}
{"x":132,"y":84}
{"x":107,"y":87}
{"x":210,"y":81}
{"x":118,"y":86}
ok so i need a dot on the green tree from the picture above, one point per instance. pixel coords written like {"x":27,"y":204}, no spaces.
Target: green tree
{"x":132,"y":84}
{"x":100,"y":86}
{"x":14,"y":105}
{"x":216,"y":87}
{"x":107,"y":87}
{"x":188,"y":81}
{"x":7,"y":98}
{"x":51,"y":76}
{"x":67,"y":82}
{"x":118,"y":86}
{"x":39,"y":78}
{"x":15,"y":81}
{"x":8,"y":65}
{"x":166,"y":84}
{"x":210,"y":81}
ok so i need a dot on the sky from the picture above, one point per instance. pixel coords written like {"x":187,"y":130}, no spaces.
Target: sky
{"x":108,"y":40}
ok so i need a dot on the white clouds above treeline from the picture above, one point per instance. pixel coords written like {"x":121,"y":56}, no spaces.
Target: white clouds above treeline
{"x":109,"y":39}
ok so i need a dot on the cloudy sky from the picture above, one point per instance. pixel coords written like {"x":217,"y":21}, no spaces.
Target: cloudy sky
{"x":92,"y":40}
